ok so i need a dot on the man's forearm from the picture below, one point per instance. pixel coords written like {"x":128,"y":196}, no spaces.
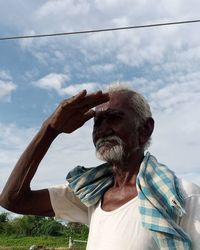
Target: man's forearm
{"x":18,"y":184}
{"x":69,"y":116}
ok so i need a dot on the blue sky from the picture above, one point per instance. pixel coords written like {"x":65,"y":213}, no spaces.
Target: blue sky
{"x":36,"y":74}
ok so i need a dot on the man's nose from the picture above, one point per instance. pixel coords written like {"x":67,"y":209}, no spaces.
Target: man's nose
{"x":102,"y":131}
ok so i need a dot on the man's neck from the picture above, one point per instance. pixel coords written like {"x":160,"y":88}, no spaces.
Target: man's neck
{"x":124,"y":186}
{"x":125,"y":173}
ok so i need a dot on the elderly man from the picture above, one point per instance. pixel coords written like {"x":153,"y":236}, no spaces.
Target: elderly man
{"x":131,"y":201}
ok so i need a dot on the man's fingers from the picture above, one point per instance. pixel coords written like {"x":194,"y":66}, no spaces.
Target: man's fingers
{"x":80,"y":95}
{"x":88,"y":115}
{"x":74,"y":99}
{"x":85,"y":102}
{"x":94,"y":100}
{"x":87,"y":105}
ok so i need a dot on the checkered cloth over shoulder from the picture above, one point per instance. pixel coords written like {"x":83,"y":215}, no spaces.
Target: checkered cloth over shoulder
{"x":159,"y":195}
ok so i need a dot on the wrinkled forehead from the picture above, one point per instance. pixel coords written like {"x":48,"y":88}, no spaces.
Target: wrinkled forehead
{"x":117,"y":100}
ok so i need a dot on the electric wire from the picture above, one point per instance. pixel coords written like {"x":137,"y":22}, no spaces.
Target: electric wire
{"x":99,"y":30}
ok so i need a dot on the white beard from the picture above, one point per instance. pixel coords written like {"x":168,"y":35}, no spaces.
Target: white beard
{"x":110,"y":149}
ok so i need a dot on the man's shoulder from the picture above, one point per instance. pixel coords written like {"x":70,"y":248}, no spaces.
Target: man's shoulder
{"x":189,"y":189}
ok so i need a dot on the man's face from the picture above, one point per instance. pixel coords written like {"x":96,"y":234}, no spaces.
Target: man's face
{"x":114,"y":134}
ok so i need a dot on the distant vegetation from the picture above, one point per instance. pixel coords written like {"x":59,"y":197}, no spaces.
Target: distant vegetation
{"x":28,"y":230}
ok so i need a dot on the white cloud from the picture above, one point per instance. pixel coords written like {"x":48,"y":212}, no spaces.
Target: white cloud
{"x":57,"y":82}
{"x":75,"y":88}
{"x":66,"y":152}
{"x":175,"y":139}
{"x":6,"y":85}
{"x":134,"y":48}
{"x":5,"y":75}
{"x":177,"y":128}
{"x":184,"y":89}
{"x":102,"y":68}
{"x":57,"y":15}
{"x":6,"y":88}
{"x":52,"y":81}
{"x":65,"y":9}
{"x":13,"y":141}
{"x":13,"y":137}
{"x":27,"y":43}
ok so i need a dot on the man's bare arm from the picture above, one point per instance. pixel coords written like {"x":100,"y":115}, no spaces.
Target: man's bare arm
{"x":17,"y":195}
{"x":70,"y":115}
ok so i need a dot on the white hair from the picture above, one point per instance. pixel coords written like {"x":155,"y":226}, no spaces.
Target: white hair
{"x":138,"y":103}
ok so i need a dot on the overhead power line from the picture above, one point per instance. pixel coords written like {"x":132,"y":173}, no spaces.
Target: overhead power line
{"x":99,"y":30}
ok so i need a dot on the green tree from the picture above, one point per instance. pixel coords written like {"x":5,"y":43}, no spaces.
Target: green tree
{"x":24,"y":226}
{"x":30,"y":225}
{"x":77,"y":231}
{"x":52,"y":228}
{"x":4,"y":219}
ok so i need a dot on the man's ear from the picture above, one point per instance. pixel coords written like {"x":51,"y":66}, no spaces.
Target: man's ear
{"x":146,"y":130}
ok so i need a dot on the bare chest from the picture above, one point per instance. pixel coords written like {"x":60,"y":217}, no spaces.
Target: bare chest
{"x":114,"y":198}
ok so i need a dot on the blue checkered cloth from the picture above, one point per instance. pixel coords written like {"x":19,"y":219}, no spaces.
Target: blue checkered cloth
{"x":159,"y":196}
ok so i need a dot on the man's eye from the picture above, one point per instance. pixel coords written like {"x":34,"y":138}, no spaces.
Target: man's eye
{"x":113,"y":117}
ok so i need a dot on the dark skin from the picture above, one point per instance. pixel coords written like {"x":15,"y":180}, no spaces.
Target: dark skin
{"x":116,"y":117}
{"x":70,"y":115}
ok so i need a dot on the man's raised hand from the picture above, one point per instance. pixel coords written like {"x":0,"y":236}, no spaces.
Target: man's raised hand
{"x":72,"y":113}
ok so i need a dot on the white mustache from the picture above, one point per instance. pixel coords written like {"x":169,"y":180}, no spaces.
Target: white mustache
{"x":102,"y":141}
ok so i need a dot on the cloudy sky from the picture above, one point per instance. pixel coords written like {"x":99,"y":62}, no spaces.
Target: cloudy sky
{"x":36,"y":74}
